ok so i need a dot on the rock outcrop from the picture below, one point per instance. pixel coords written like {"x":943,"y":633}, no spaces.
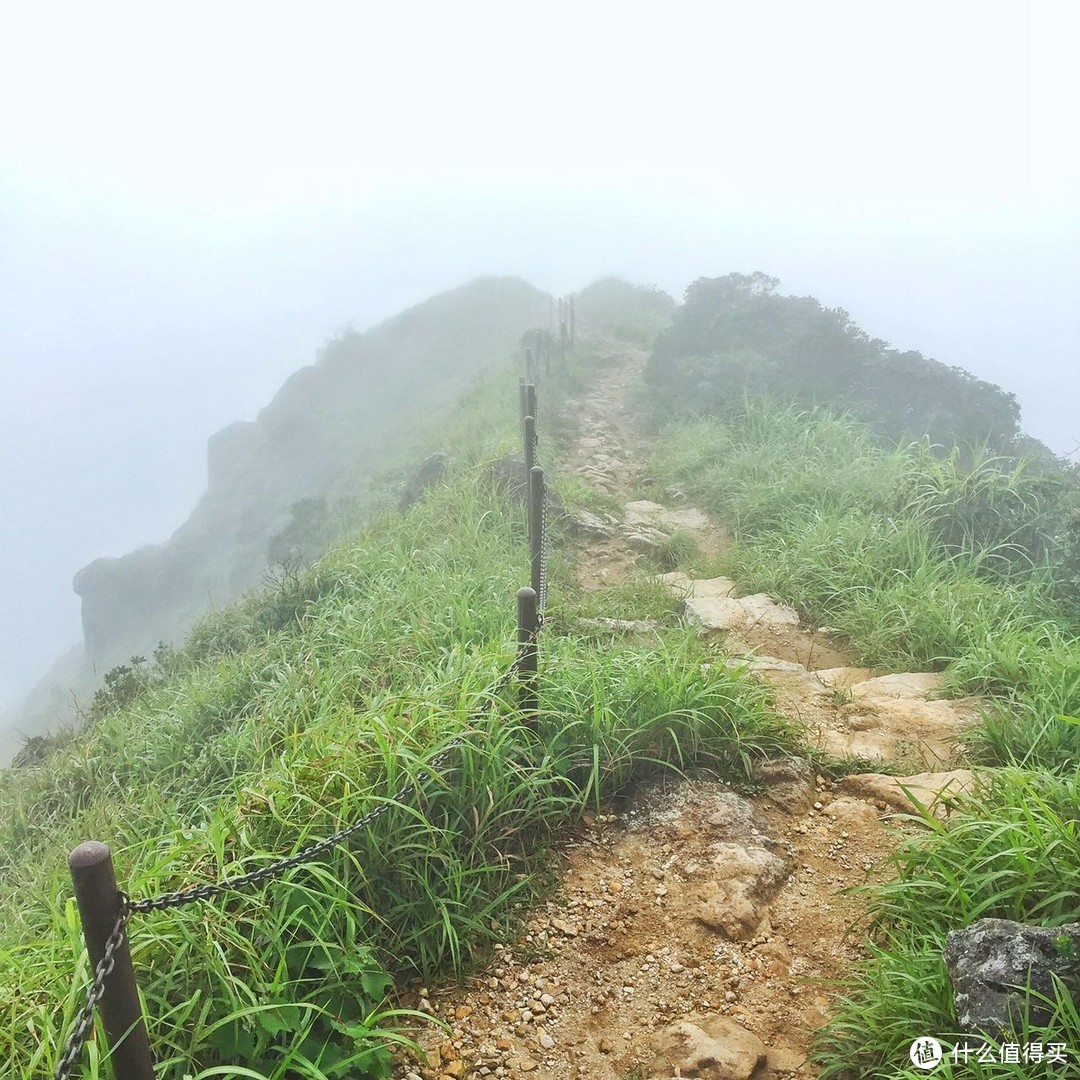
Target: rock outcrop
{"x":331,"y":425}
{"x":1002,"y":971}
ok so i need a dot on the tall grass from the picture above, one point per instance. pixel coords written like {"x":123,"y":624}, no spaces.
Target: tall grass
{"x":1013,"y":853}
{"x":296,"y":711}
{"x":921,"y":560}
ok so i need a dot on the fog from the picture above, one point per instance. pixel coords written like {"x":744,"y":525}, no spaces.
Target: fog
{"x":190,"y":206}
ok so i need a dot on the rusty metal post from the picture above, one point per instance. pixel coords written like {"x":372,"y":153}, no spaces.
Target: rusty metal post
{"x":536,"y":527}
{"x":528,"y":653}
{"x":99,"y":902}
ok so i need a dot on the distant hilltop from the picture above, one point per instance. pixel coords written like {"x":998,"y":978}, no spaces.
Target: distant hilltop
{"x":329,"y":429}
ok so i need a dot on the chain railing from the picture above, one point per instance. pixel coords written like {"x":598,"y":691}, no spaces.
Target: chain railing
{"x":106,"y":911}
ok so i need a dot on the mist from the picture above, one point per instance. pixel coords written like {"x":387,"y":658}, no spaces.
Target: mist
{"x":169,"y":256}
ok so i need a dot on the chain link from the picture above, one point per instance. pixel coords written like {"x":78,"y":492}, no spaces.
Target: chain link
{"x":84,"y":1021}
{"x":309,"y":854}
{"x":73,"y":1048}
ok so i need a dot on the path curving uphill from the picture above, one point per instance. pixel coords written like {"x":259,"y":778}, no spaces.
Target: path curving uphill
{"x":702,"y":933}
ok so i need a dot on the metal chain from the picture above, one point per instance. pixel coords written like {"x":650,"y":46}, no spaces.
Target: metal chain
{"x":84,"y":1021}
{"x":309,"y":854}
{"x":73,"y":1048}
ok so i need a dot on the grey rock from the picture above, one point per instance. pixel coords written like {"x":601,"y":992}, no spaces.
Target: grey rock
{"x":645,"y":538}
{"x":789,"y":781}
{"x":999,"y":968}
{"x":596,"y":526}
{"x":432,"y":470}
{"x":508,"y":478}
{"x":775,"y":770}
{"x":744,"y":880}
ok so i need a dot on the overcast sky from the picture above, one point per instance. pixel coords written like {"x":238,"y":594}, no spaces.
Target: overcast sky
{"x":193,"y":198}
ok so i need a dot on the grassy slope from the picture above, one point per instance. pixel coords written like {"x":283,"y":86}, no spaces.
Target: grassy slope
{"x":905,"y":554}
{"x":296,"y":710}
{"x":291,"y":712}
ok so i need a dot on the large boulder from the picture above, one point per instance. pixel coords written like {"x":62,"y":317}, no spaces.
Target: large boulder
{"x":1002,"y":970}
{"x":432,"y":471}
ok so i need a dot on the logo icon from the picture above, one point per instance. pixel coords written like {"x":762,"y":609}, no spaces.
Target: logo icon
{"x":926,"y":1053}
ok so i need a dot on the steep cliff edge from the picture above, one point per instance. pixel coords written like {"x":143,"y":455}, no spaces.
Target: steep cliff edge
{"x":330,"y":427}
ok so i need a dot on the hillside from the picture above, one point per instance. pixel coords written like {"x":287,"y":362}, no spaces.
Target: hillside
{"x":782,"y":656}
{"x":329,"y":431}
{"x":299,"y":476}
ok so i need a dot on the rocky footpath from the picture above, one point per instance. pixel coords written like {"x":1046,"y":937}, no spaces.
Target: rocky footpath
{"x":696,"y":932}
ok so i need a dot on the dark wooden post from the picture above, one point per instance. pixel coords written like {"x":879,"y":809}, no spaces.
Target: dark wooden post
{"x":530,"y":400}
{"x":528,"y":655}
{"x":536,"y":526}
{"x":530,"y":444}
{"x":99,"y":901}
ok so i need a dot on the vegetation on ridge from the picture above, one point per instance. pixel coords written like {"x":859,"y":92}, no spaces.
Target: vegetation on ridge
{"x":927,"y":553}
{"x":292,"y":712}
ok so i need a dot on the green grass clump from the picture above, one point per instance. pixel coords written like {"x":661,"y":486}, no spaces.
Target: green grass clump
{"x":923,"y":561}
{"x":1012,"y":853}
{"x":294,"y":713}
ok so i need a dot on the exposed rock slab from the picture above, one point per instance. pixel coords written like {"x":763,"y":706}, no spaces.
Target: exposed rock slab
{"x":647,"y":539}
{"x":744,"y":613}
{"x":743,"y":881}
{"x":929,"y":788}
{"x":900,"y":729}
{"x":709,"y":1049}
{"x":642,"y":512}
{"x":789,"y":782}
{"x":842,"y":677}
{"x":683,"y":586}
{"x":594,"y":526}
{"x":909,"y":685}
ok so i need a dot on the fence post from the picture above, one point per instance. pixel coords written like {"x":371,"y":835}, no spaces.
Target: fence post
{"x":536,"y":528}
{"x":527,"y":652}
{"x":530,"y":445}
{"x":99,"y":901}
{"x":530,"y":400}
{"x":522,"y":405}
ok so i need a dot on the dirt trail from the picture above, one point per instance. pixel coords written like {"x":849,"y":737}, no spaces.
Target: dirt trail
{"x":702,"y":933}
